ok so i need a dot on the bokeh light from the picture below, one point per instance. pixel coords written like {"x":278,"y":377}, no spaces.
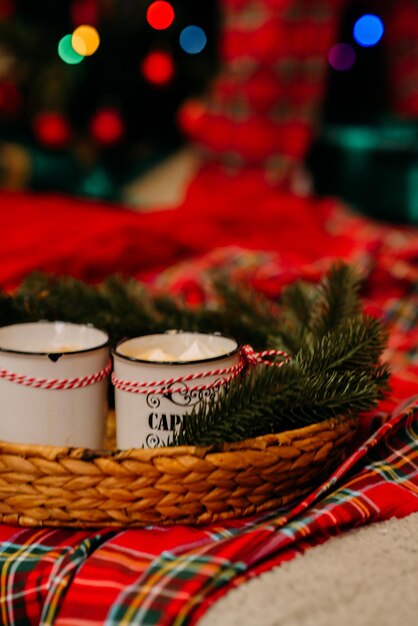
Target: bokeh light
{"x":341,"y":57}
{"x":158,"y":67}
{"x":85,"y":40}
{"x":193,"y":39}
{"x":7,"y":9}
{"x":51,"y":129}
{"x":368,"y":30}
{"x":107,"y":126}
{"x":10,"y":98}
{"x":66,"y":51}
{"x":160,"y":15}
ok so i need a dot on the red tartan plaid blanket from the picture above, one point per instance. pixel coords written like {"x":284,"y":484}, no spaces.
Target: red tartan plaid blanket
{"x":171,"y":575}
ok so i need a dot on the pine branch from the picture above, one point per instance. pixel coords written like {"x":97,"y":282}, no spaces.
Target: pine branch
{"x":44,"y":296}
{"x":11,"y":311}
{"x":338,"y":299}
{"x":337,"y":374}
{"x":312,"y":311}
{"x":298,"y":393}
{"x":247,"y":315}
{"x":128,"y":309}
{"x":336,"y":394}
{"x":358,"y":344}
{"x":298,"y":300}
{"x":245,"y":408}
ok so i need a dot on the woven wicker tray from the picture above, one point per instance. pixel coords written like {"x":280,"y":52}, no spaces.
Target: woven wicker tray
{"x":81,"y":488}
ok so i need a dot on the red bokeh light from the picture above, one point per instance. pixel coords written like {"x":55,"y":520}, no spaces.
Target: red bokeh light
{"x":191,"y":117}
{"x":158,"y":67}
{"x":10,"y":98}
{"x":160,"y":14}
{"x":6,"y":8}
{"x":84,"y":12}
{"x":52,"y":129}
{"x":107,"y":126}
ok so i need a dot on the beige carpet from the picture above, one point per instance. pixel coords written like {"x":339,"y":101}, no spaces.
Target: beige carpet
{"x":365,"y":577}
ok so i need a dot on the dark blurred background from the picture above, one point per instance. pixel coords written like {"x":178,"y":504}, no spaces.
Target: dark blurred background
{"x":91,"y":127}
{"x":368,"y":149}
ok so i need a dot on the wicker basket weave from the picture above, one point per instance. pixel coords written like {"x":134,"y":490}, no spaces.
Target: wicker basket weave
{"x":81,"y":488}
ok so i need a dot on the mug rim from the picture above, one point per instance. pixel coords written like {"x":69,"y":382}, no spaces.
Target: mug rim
{"x":132,"y":359}
{"x":56,"y":352}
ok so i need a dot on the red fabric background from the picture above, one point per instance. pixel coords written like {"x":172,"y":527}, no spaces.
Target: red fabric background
{"x":90,"y":240}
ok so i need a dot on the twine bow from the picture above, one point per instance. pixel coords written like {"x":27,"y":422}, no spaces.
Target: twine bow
{"x":254,"y":358}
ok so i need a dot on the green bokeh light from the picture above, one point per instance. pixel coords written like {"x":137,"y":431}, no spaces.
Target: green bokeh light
{"x":67,"y":53}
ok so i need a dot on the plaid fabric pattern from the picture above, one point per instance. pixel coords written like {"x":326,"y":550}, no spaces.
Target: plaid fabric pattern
{"x":36,"y":568}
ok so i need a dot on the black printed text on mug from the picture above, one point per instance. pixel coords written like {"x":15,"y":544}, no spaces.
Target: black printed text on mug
{"x":163,"y":421}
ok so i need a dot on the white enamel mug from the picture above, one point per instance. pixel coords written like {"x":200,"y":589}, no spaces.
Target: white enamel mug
{"x":148,"y":364}
{"x":53,"y":384}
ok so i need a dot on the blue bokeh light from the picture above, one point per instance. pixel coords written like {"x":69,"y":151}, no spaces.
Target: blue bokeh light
{"x":368,"y":30}
{"x":193,"y":39}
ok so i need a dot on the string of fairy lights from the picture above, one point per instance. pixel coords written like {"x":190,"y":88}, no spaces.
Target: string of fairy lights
{"x":107,"y":126}
{"x":158,"y":67}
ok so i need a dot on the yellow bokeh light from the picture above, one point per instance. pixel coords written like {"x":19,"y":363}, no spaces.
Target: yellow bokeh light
{"x":85,"y":40}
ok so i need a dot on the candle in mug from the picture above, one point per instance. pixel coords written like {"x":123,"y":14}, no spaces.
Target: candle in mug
{"x":186,"y":348}
{"x":150,"y":405}
{"x":53,"y":387}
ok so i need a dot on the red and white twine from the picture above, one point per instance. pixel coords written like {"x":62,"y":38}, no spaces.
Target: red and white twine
{"x":248,"y":357}
{"x":55,"y":383}
{"x":160,"y":386}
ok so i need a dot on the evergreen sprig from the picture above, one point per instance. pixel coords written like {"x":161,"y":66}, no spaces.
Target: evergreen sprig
{"x":311,"y":311}
{"x":337,"y":301}
{"x":336,"y":376}
{"x":127,"y":308}
{"x":335,"y":372}
{"x":356,"y":345}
